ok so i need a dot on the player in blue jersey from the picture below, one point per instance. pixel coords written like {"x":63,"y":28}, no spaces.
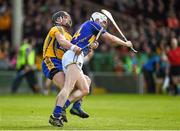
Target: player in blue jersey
{"x":72,"y":62}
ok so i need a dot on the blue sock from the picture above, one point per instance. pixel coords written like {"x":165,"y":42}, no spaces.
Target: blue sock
{"x":67,"y":104}
{"x":77,"y":104}
{"x":57,"y":111}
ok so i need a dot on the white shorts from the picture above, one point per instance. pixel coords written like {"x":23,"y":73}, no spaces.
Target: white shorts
{"x":70,"y":57}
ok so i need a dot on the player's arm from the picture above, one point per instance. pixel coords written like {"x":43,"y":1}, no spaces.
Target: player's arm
{"x":67,"y":44}
{"x":115,"y":40}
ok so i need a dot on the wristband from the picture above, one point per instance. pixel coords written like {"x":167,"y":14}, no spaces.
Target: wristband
{"x":72,"y":47}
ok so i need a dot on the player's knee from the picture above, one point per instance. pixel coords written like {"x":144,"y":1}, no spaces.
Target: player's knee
{"x":85,"y":91}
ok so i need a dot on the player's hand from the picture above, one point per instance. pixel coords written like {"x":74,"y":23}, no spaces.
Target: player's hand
{"x":77,"y":50}
{"x":129,"y":44}
{"x":94,"y":45}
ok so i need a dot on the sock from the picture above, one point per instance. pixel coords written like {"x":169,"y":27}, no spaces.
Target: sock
{"x":77,"y":104}
{"x":67,"y":104}
{"x":57,"y":111}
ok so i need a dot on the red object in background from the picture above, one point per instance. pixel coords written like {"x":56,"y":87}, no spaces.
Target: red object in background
{"x":174,"y":57}
{"x":173,"y":23}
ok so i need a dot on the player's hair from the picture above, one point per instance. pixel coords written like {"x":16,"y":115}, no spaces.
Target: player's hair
{"x":60,"y":14}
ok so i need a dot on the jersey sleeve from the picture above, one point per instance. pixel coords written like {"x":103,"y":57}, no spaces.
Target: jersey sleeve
{"x":96,"y":27}
{"x":54,"y":30}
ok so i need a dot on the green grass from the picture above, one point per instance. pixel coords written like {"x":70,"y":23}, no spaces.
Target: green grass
{"x":106,"y":112}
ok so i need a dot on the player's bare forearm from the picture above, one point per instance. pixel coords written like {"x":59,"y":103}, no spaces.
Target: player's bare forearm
{"x":115,"y":40}
{"x":67,"y":44}
{"x":62,"y":41}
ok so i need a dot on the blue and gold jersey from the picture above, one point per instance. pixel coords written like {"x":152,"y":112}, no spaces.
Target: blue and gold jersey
{"x":51,"y":47}
{"x":86,"y":34}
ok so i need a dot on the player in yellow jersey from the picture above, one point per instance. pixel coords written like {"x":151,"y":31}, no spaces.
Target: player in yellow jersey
{"x":72,"y":63}
{"x":55,"y":44}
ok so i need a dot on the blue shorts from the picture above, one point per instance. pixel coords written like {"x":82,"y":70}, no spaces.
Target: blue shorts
{"x":51,"y":66}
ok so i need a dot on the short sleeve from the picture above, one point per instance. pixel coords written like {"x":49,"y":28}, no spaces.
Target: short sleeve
{"x":54,"y":30}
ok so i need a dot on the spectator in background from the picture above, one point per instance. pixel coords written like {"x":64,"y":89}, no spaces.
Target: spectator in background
{"x":155,"y":70}
{"x":5,"y":20}
{"x":5,"y":34}
{"x":141,"y":60}
{"x":162,"y":72}
{"x":130,"y":65}
{"x":149,"y":68}
{"x":174,"y":60}
{"x":172,"y":20}
{"x":26,"y":67}
{"x":118,"y":64}
{"x":4,"y":54}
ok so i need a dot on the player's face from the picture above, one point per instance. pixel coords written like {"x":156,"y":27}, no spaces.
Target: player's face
{"x":102,"y":23}
{"x":67,"y":21}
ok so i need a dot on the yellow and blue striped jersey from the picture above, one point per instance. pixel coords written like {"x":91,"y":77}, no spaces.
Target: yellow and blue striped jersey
{"x":51,"y":47}
{"x":86,"y":34}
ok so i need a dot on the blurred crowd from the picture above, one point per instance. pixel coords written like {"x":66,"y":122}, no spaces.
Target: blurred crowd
{"x":153,"y":26}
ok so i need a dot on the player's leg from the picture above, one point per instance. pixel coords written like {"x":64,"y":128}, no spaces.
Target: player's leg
{"x":58,"y":79}
{"x":78,"y":89}
{"x":68,"y":58}
{"x":72,"y":65}
{"x":51,"y":68}
{"x":82,"y":85}
{"x":76,"y":108}
{"x":72,"y":75}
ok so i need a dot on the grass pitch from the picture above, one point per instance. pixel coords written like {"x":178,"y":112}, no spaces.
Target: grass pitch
{"x":107,"y":112}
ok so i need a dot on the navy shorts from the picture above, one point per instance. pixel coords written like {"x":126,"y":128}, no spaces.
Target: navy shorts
{"x":51,"y":66}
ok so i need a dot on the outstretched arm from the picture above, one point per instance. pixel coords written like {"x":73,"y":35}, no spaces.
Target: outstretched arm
{"x":115,"y":40}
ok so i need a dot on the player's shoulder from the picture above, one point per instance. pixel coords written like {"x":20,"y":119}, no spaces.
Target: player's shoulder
{"x":57,"y":28}
{"x":91,"y":23}
{"x":95,"y":25}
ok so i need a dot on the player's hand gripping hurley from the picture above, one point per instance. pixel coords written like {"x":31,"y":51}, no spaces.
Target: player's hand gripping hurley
{"x":108,"y":14}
